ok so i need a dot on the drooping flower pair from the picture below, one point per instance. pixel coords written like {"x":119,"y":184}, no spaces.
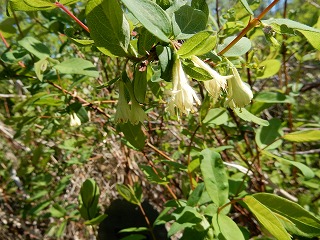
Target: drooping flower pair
{"x":74,"y":120}
{"x":239,"y":93}
{"x":183,"y":95}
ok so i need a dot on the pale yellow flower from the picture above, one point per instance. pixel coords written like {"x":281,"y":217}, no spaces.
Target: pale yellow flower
{"x":217,"y":83}
{"x":182,"y":94}
{"x":239,"y":93}
{"x":74,"y":120}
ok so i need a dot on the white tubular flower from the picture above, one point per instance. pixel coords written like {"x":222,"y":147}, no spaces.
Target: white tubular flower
{"x":182,"y":94}
{"x":217,"y":83}
{"x":123,"y":110}
{"x":239,"y":93}
{"x":74,"y":120}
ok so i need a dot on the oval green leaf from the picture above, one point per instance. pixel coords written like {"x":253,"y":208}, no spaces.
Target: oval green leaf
{"x":77,"y":66}
{"x":247,"y":116}
{"x":152,"y":17}
{"x":240,"y":48}
{"x":266,"y":135}
{"x":267,"y":218}
{"x":303,"y":136}
{"x":214,"y":176}
{"x":305,"y":224}
{"x":109,"y":28}
{"x":306,"y":171}
{"x":198,"y":44}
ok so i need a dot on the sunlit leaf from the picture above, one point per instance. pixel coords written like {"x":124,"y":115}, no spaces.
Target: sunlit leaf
{"x":303,"y":222}
{"x":267,"y":218}
{"x":303,"y":136}
{"x":152,"y":17}
{"x":214,"y":176}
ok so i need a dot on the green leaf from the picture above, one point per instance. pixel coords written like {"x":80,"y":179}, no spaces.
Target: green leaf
{"x":62,"y":185}
{"x":133,"y":134}
{"x":198,"y":44}
{"x":267,"y":218}
{"x":89,"y":193}
{"x":37,"y":195}
{"x":196,"y":195}
{"x":134,"y":237}
{"x":31,"y":5}
{"x":145,"y":41}
{"x":57,"y":211}
{"x":165,"y":58}
{"x":127,"y":193}
{"x":240,"y":48}
{"x":229,"y":228}
{"x":133,"y":229}
{"x":49,"y":100}
{"x":39,"y":207}
{"x":35,"y":47}
{"x":152,"y":176}
{"x":196,"y":72}
{"x":216,"y":116}
{"x":303,"y":136}
{"x":306,"y":171}
{"x":61,"y":229}
{"x":96,"y":220}
{"x":201,"y":5}
{"x":83,"y":42}
{"x":247,"y":116}
{"x":7,"y":27}
{"x":304,"y":223}
{"x":188,"y":21}
{"x":273,"y":97}
{"x":40,"y":67}
{"x":268,"y":68}
{"x":77,"y":66}
{"x":214,"y":176}
{"x":140,"y":84}
{"x":246,"y":6}
{"x":108,"y":26}
{"x":266,"y":135}
{"x":164,"y":3}
{"x":312,"y":34}
{"x":185,"y":217}
{"x":152,"y":17}
{"x":68,"y":2}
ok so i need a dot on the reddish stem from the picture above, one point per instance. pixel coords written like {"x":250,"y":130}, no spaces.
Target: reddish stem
{"x":4,"y":40}
{"x":61,"y":6}
{"x":250,"y":25}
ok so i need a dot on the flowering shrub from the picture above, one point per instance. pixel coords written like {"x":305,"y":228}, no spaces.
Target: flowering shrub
{"x":205,"y":110}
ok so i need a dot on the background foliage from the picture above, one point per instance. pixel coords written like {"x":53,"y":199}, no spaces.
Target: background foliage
{"x":84,"y":121}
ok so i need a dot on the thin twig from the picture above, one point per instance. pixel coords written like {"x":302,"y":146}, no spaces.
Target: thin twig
{"x":160,"y":152}
{"x":250,"y":25}
{"x":61,"y":6}
{"x":80,"y":99}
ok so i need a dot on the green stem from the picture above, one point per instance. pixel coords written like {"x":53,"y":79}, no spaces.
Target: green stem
{"x":227,"y":204}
